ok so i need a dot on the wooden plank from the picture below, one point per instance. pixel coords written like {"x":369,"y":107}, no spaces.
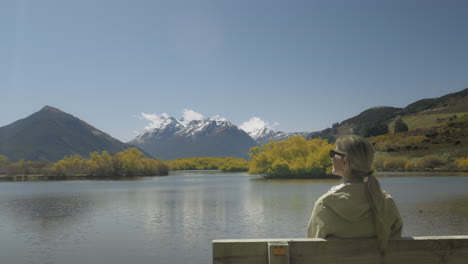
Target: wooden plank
{"x":365,"y":251}
{"x":446,"y":249}
{"x":248,"y":252}
{"x":236,"y":251}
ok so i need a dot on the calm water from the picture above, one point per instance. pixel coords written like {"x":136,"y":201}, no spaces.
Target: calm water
{"x":173,"y":219}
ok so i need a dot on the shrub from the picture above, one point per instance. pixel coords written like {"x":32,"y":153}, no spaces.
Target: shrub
{"x":378,"y":163}
{"x":294,"y":157}
{"x":409,"y":166}
{"x":396,"y":163}
{"x":462,"y":163}
{"x":384,"y":146}
{"x":210,"y":163}
{"x":450,"y":166}
{"x":395,"y":142}
{"x":430,"y":162}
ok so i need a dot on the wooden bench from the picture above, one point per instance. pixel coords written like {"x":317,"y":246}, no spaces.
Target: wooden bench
{"x":438,"y":249}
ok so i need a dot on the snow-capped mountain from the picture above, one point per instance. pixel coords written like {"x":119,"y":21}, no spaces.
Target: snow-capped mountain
{"x":168,"y":127}
{"x":266,"y":134}
{"x":198,"y":128}
{"x":262,"y":133}
{"x":214,"y":137}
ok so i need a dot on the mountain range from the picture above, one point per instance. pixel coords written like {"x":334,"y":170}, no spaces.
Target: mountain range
{"x":211,"y":137}
{"x":50,"y":134}
{"x":266,"y":134}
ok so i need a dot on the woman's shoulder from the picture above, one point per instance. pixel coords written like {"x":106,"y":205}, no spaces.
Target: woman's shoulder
{"x":387,"y":195}
{"x":337,"y":191}
{"x":346,"y":188}
{"x":333,"y":190}
{"x":336,"y":188}
{"x":341,"y":191}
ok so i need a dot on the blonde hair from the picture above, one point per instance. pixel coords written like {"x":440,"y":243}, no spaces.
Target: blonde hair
{"x":360,"y":154}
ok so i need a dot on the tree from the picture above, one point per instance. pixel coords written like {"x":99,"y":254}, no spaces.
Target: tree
{"x":101,"y":164}
{"x":4,"y":163}
{"x":71,"y":166}
{"x":400,"y":126}
{"x":17,"y":168}
{"x":294,"y":157}
{"x":210,"y":163}
{"x":371,"y":130}
{"x":335,"y":128}
{"x":128,"y":161}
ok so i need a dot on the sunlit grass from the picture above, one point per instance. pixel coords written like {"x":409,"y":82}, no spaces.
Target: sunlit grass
{"x":425,"y":120}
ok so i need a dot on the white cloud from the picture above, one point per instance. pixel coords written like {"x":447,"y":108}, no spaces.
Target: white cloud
{"x":190,"y":115}
{"x":155,"y":119}
{"x":255,"y":124}
{"x":218,"y":118}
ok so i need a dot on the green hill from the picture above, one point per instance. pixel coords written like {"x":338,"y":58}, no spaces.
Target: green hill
{"x":436,"y":136}
{"x":450,"y":103}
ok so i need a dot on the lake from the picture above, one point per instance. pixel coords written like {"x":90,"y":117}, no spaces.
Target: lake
{"x":173,"y":219}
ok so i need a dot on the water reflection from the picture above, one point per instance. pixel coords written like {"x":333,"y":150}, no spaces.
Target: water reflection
{"x":52,"y":212}
{"x":173,"y":219}
{"x":44,"y":223}
{"x":440,"y":217}
{"x":421,"y":174}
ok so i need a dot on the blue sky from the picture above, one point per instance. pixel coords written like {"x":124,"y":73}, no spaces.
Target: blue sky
{"x":301,"y":65}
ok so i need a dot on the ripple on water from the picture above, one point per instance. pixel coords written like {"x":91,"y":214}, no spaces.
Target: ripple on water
{"x":174,"y":219}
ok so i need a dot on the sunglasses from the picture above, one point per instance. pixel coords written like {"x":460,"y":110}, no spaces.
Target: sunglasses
{"x":333,"y":153}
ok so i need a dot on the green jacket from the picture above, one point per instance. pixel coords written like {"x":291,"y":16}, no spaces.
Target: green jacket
{"x":344,"y":212}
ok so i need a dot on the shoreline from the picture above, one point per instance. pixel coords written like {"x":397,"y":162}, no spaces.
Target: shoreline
{"x":380,"y":173}
{"x":40,"y":177}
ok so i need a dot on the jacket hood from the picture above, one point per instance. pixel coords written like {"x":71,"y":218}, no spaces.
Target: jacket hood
{"x":339,"y":200}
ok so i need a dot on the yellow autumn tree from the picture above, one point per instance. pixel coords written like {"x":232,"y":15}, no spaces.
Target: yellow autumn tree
{"x":4,"y":161}
{"x":233,"y":164}
{"x":150,"y":167}
{"x":71,"y":166}
{"x":128,"y":162}
{"x":101,"y":164}
{"x":294,"y":157}
{"x":210,"y":163}
{"x":462,"y":163}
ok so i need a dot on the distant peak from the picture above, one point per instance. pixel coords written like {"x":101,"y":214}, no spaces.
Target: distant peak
{"x":49,"y":108}
{"x":218,"y":118}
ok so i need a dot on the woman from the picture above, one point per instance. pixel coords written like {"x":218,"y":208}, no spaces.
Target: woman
{"x":356,"y":208}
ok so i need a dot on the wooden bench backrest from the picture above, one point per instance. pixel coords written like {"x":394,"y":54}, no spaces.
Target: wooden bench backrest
{"x":446,"y":249}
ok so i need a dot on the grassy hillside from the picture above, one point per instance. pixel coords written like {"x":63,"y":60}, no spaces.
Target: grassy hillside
{"x":421,"y":114}
{"x":415,"y":121}
{"x":450,"y":103}
{"x":438,"y":141}
{"x":436,"y":136}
